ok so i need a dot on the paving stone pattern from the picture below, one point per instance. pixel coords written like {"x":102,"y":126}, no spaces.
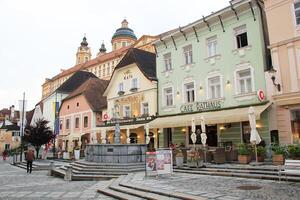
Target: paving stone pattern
{"x":221,"y":188}
{"x":15,"y":183}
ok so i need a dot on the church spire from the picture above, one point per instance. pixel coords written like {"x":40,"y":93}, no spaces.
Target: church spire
{"x":84,"y":52}
{"x":102,"y":49}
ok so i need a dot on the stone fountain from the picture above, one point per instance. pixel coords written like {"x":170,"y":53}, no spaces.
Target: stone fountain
{"x":117,"y":152}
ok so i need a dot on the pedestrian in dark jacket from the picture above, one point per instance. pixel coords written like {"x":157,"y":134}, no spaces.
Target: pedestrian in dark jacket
{"x":29,"y":157}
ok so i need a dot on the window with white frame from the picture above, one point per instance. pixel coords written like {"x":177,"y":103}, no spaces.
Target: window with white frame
{"x":121,"y":87}
{"x":244,"y":81}
{"x":189,"y":91}
{"x":297,"y":12}
{"x":15,"y":133}
{"x":126,"y":111}
{"x":77,"y":122}
{"x":134,"y":83}
{"x":214,"y":87}
{"x":145,"y":108}
{"x":85,"y":121}
{"x":211,"y":46}
{"x":168,"y":61}
{"x":168,"y":96}
{"x":108,"y":69}
{"x":241,"y":37}
{"x":6,"y":146}
{"x":67,"y":123}
{"x":188,"y":54}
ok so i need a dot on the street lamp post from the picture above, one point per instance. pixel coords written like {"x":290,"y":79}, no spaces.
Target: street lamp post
{"x":22,"y":125}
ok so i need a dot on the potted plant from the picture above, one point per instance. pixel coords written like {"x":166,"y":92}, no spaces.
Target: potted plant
{"x":261,"y":152}
{"x":294,"y":151}
{"x":77,"y":153}
{"x":279,"y":153}
{"x":244,"y":154}
{"x":134,"y":89}
{"x":179,"y":158}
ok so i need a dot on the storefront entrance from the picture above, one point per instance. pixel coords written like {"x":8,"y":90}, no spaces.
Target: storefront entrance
{"x":211,"y":133}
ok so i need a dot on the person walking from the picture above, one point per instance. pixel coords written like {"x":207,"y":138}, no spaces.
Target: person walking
{"x":29,"y":157}
{"x":4,"y":155}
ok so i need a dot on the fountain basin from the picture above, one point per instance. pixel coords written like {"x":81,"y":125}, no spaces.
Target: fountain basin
{"x":115,"y":153}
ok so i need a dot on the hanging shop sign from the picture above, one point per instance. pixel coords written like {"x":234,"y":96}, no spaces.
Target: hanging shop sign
{"x":261,"y":95}
{"x":125,"y":121}
{"x":201,"y":106}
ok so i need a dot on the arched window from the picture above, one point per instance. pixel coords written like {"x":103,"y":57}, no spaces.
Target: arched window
{"x":133,"y":138}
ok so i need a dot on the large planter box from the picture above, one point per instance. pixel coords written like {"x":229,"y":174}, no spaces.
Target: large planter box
{"x":179,"y":161}
{"x":77,"y":154}
{"x":260,"y":158}
{"x":66,"y":155}
{"x":244,"y":159}
{"x":278,"y":159}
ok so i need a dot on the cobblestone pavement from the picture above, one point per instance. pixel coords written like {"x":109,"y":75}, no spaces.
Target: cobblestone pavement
{"x":222,"y":188}
{"x":15,"y":183}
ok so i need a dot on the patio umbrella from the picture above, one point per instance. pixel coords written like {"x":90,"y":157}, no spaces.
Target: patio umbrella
{"x":193,"y":135}
{"x":203,"y":134}
{"x":254,"y":136}
{"x":147,"y":133}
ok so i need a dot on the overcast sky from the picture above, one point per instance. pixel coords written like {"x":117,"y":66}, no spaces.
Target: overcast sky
{"x":40,"y":37}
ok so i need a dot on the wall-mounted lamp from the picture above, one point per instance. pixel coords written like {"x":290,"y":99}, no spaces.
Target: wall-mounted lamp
{"x":228,"y":82}
{"x":183,"y":130}
{"x":258,"y":126}
{"x":222,"y":128}
{"x":177,"y":93}
{"x":201,"y":88}
{"x":272,"y":71}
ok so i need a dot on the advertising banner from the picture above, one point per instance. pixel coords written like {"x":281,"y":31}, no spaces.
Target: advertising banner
{"x":164,"y":163}
{"x":151,"y":164}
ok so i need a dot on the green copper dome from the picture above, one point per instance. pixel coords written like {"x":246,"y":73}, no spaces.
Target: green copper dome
{"x":124,"y":31}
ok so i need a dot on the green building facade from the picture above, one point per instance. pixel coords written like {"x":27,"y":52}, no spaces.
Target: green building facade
{"x":213,"y":68}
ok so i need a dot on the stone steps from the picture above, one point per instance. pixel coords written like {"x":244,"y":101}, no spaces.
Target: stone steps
{"x":82,"y":170}
{"x":255,"y":174}
{"x":107,"y":165}
{"x":123,"y":186}
{"x":123,"y":170}
{"x":115,"y":194}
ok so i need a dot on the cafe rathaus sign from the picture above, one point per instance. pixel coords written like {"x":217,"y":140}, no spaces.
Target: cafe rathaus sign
{"x":201,"y":106}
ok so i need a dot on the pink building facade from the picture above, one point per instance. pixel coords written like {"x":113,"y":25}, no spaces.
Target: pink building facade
{"x":79,"y":114}
{"x":283,"y":20}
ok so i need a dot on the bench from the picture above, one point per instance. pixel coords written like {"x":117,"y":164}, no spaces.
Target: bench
{"x":290,"y":167}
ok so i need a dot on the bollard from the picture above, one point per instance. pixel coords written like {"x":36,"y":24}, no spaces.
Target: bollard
{"x":51,"y":168}
{"x":68,"y":175}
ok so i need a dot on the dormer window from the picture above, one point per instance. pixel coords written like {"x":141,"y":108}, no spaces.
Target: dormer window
{"x":121,"y":89}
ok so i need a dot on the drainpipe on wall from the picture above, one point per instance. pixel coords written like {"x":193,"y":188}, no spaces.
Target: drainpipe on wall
{"x":265,"y":35}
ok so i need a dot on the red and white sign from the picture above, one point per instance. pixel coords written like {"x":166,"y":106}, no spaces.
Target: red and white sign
{"x":261,"y":95}
{"x":105,"y":117}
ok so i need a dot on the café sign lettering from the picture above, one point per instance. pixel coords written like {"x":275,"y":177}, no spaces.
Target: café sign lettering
{"x":201,"y":106}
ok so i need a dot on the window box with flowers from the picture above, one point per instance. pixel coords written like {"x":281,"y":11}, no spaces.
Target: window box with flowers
{"x":134,"y":89}
{"x":120,"y":93}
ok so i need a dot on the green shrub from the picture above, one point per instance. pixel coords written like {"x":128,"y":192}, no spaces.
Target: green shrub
{"x":244,"y":149}
{"x":279,"y":150}
{"x":261,"y":151}
{"x":294,"y":151}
